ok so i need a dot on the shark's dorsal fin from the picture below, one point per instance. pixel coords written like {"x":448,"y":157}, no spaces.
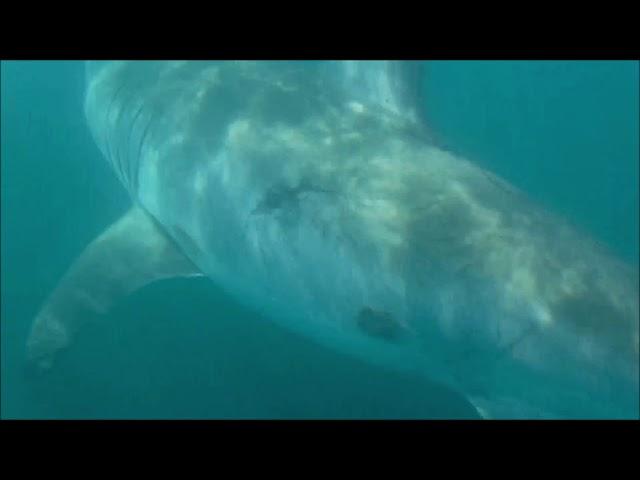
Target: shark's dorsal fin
{"x":128,"y":255}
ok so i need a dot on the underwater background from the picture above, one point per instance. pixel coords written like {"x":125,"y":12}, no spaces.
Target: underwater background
{"x":564,"y":132}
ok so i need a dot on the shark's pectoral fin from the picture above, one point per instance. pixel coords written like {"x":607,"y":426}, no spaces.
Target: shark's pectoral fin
{"x":131,"y":253}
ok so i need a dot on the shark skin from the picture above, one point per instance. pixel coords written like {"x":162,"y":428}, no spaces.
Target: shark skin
{"x":311,"y":191}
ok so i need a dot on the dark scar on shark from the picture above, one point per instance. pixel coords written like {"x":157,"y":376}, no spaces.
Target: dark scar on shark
{"x":280,"y":196}
{"x":379,"y":324}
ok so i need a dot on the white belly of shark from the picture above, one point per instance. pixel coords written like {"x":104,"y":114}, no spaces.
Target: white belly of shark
{"x":311,"y":191}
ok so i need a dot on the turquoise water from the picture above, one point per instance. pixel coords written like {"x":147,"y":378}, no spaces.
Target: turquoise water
{"x":565,"y":132}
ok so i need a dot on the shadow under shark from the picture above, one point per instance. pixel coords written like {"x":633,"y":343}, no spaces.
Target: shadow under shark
{"x":312,"y":191}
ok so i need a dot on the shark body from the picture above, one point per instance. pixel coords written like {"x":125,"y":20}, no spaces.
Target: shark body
{"x":313,"y":193}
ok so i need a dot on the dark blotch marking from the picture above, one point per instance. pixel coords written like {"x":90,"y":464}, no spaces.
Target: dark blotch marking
{"x":282,"y":196}
{"x":595,"y":316}
{"x":379,"y":324}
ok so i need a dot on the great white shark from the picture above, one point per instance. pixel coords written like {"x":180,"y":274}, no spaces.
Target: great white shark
{"x":311,"y":190}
